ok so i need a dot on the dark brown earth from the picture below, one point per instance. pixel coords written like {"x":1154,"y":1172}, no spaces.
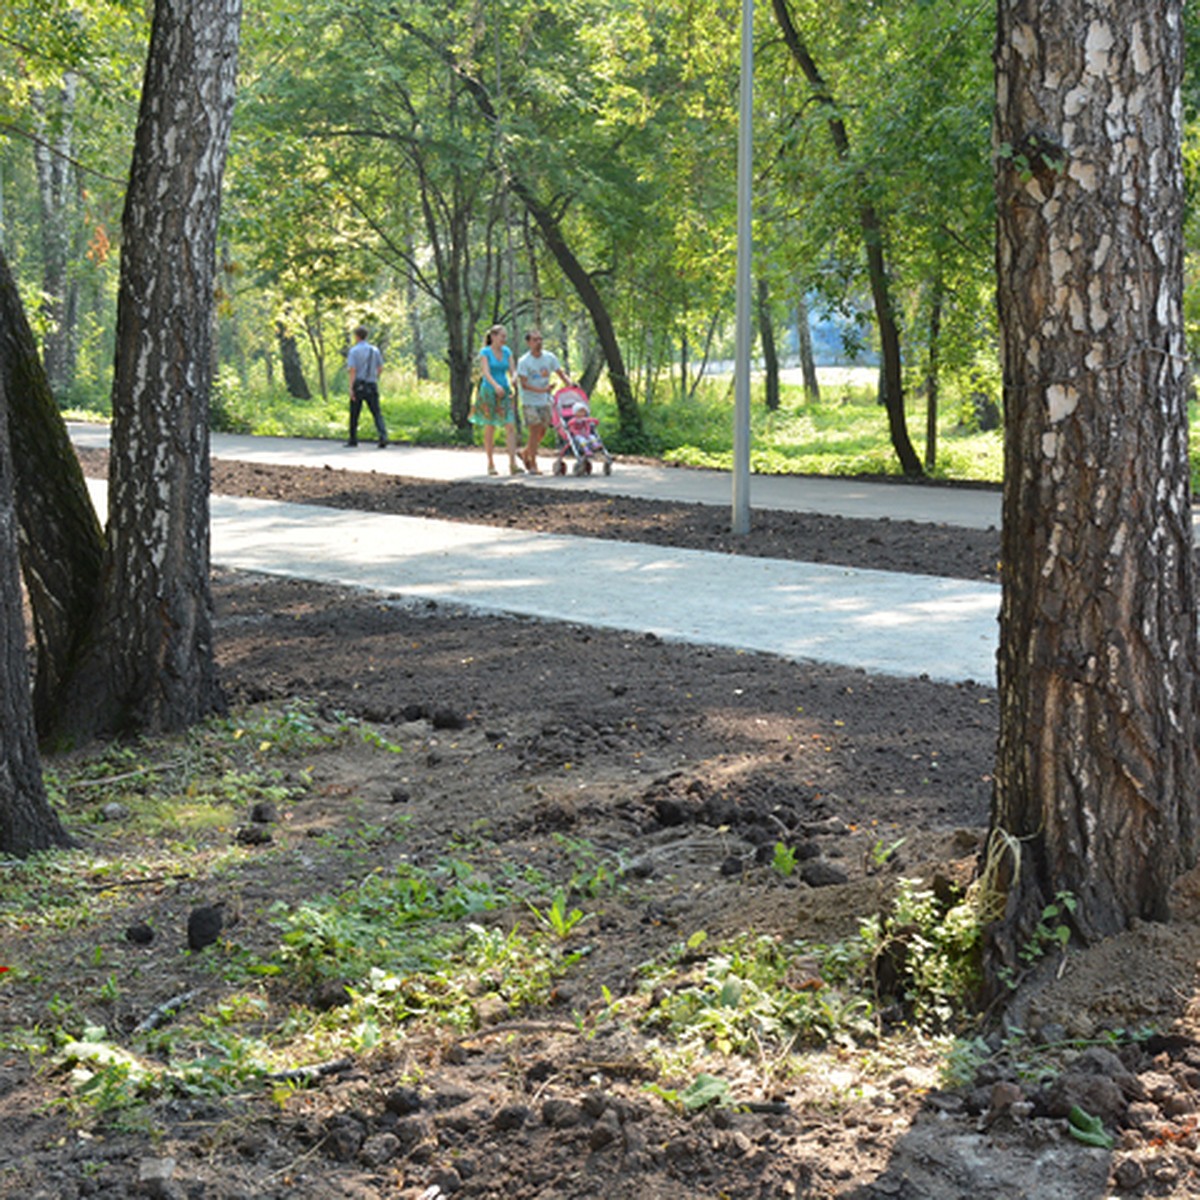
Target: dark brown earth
{"x":680,"y":763}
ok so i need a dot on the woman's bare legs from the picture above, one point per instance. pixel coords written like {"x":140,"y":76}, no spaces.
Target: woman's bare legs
{"x":510,"y":444}
{"x":489,"y":447}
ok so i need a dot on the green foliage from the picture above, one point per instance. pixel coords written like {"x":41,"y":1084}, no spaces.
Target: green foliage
{"x":934,"y":950}
{"x":784,"y":860}
{"x":756,"y":991}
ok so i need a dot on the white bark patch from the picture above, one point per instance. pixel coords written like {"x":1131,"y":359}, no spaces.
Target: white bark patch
{"x":1103,"y":246}
{"x":1024,"y":42}
{"x":1075,"y":102}
{"x":1138,"y":52}
{"x":1061,"y":401}
{"x":1084,"y":174}
{"x":1095,"y":358}
{"x":1049,"y":444}
{"x":1060,"y":265}
{"x":1096,"y":47}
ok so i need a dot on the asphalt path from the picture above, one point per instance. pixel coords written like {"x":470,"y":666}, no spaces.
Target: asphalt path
{"x":878,"y":621}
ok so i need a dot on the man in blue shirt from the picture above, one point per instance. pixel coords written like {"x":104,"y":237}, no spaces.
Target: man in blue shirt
{"x":363,"y":364}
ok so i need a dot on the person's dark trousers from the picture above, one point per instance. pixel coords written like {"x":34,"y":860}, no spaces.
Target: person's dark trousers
{"x":368,"y":393}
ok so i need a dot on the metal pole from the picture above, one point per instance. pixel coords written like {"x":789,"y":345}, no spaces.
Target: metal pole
{"x":741,"y":394}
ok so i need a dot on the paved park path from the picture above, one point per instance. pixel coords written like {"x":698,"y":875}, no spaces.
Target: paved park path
{"x":880,"y":621}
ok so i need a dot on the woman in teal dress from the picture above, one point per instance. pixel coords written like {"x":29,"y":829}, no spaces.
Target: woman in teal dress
{"x":494,"y":401}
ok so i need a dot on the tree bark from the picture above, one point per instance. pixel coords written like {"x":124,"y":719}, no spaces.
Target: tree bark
{"x":871,"y":225}
{"x":289,"y":356}
{"x":27,"y":822}
{"x":1096,"y":771}
{"x":808,"y":365}
{"x":57,"y":202}
{"x":766,"y":335}
{"x":933,"y":375}
{"x":149,"y":663}
{"x":416,"y":332}
{"x":61,"y":543}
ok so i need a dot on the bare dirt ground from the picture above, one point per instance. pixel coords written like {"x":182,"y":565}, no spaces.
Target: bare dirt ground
{"x":684,"y":765}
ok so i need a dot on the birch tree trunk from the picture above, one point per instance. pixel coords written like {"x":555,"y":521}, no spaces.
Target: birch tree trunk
{"x":1096,"y":771}
{"x":149,"y":664}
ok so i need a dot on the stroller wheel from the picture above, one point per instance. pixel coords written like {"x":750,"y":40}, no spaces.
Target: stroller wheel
{"x":560,"y":467}
{"x":577,"y":469}
{"x":608,"y":467}
{"x":587,"y":466}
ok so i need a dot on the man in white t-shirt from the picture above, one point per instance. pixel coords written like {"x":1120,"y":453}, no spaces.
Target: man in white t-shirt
{"x":534,"y":369}
{"x":363,"y":364}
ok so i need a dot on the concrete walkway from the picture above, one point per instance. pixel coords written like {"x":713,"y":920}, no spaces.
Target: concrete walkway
{"x":879,"y":621}
{"x":972,"y":508}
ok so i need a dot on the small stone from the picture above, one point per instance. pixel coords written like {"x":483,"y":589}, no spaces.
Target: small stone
{"x":113,"y":811}
{"x":1129,"y":1174}
{"x":594,"y":1104}
{"x":156,"y":1179}
{"x":204,"y":925}
{"x":490,"y":1010}
{"x":263,"y":813}
{"x":733,"y":865}
{"x":447,"y":718}
{"x":821,"y":873}
{"x":447,"y":1181}
{"x":1004,"y":1095}
{"x":330,"y":994}
{"x":140,"y":934}
{"x":510,"y":1117}
{"x":380,"y":1149}
{"x":415,"y":712}
{"x":403,"y":1101}
{"x":254,"y":835}
{"x":401,"y":795}
{"x":561,"y":1114}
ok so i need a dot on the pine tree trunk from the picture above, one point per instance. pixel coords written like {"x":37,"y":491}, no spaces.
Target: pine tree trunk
{"x":1096,"y":771}
{"x":27,"y":822}
{"x":149,"y":664}
{"x":61,"y":543}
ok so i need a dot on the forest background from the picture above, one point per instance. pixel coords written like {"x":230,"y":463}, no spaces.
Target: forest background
{"x":433,"y":169}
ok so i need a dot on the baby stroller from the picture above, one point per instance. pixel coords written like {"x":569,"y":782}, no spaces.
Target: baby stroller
{"x":577,"y":430}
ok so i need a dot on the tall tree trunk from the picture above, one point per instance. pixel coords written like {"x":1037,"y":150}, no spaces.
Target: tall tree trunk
{"x":871,"y":225}
{"x":808,"y":364}
{"x":766,"y":335}
{"x":535,"y":275}
{"x":314,"y":328}
{"x":27,"y":822}
{"x":61,"y":543}
{"x":933,"y":374}
{"x":629,"y":415}
{"x":416,"y":331}
{"x":289,"y":356}
{"x":54,"y":118}
{"x":149,"y":664}
{"x":1097,"y":764}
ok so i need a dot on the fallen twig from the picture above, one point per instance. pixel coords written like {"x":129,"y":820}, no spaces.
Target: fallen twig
{"x":308,"y":1074}
{"x":168,"y":1008}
